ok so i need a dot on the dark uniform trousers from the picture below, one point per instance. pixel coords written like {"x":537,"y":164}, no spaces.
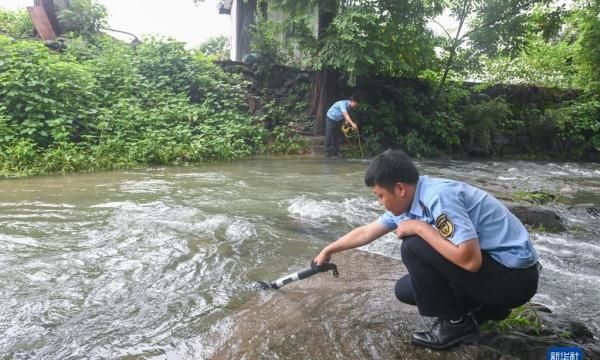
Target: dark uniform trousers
{"x":440,"y":288}
{"x":333,"y":135}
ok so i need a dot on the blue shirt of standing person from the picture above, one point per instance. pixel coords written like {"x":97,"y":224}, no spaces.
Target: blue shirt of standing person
{"x":337,"y":114}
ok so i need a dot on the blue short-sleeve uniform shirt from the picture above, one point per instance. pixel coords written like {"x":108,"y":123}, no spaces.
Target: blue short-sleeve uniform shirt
{"x":461,"y":212}
{"x":337,"y":110}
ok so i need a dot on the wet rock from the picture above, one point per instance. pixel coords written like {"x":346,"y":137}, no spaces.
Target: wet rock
{"x":594,"y":211}
{"x":532,"y":343}
{"x":537,"y":216}
{"x":275,"y":78}
{"x":355,"y":316}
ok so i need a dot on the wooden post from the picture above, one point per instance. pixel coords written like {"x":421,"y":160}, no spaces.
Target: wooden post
{"x":41,"y":22}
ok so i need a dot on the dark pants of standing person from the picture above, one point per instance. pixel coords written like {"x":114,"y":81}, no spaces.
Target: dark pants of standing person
{"x":333,"y":134}
{"x":442,"y":289}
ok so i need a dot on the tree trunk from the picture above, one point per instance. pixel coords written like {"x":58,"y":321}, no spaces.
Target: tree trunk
{"x":324,"y":82}
{"x":455,"y":43}
{"x":324,"y":89}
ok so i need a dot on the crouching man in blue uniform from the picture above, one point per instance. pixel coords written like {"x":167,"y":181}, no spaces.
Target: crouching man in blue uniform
{"x":469,"y":259}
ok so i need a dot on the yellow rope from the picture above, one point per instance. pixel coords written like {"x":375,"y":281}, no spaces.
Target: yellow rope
{"x":347,"y":130}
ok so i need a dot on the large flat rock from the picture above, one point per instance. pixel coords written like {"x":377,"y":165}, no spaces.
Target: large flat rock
{"x":355,"y":316}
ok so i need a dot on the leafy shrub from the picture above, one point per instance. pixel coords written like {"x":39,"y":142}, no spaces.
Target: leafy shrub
{"x":166,"y":65}
{"x":267,"y":42}
{"x":16,"y":24}
{"x":49,"y":97}
{"x":64,"y":157}
{"x":482,"y":121}
{"x":378,"y":126}
{"x":103,"y":105}
{"x":580,"y":127}
{"x":218,"y":47}
{"x":83,"y":17}
{"x":19,"y":158}
{"x":285,"y":141}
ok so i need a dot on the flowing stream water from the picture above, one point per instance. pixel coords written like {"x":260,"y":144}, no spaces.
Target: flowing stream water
{"x":141,"y":264}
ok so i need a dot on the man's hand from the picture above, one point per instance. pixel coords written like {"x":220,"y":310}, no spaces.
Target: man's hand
{"x":349,"y":121}
{"x":322,"y":258}
{"x":408,"y":228}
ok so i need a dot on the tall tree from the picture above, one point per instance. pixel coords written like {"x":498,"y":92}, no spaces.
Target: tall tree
{"x":358,"y":37}
{"x":485,"y":27}
{"x":218,"y":46}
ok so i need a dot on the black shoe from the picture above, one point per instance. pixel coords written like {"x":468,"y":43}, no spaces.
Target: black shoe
{"x":485,"y":313}
{"x":444,"y":334}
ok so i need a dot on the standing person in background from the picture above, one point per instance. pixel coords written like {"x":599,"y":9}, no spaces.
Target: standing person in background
{"x":336,"y":116}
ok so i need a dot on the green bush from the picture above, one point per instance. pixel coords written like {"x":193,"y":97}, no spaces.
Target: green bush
{"x":481,"y":123}
{"x":378,"y":126}
{"x":104,"y":105}
{"x":48,"y":96}
{"x":422,"y":125}
{"x":16,"y":24}
{"x":580,"y":127}
{"x":285,"y":141}
{"x":19,"y":158}
{"x":83,"y":17}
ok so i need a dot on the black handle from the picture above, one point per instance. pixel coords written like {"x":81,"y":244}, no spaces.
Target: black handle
{"x":325,"y":267}
{"x":303,"y":274}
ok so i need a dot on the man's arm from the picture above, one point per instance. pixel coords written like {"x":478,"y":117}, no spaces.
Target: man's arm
{"x":355,"y":238}
{"x":349,"y":120}
{"x":467,"y":254}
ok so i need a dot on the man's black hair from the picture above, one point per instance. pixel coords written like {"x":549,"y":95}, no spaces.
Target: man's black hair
{"x":391,"y":167}
{"x":355,"y":97}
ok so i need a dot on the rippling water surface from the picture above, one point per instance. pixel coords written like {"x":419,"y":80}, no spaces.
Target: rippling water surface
{"x":142,"y":263}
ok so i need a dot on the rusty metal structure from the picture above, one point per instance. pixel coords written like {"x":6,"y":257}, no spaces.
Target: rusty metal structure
{"x":45,"y":21}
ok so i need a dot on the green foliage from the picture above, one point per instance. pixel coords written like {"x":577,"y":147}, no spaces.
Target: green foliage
{"x":8,"y":129}
{"x":431,"y":123}
{"x":103,"y":105}
{"x":381,"y":37}
{"x":538,"y":197}
{"x":364,"y":38}
{"x":422,"y":125}
{"x":498,"y":26}
{"x":166,"y":65}
{"x":16,"y":24}
{"x":541,"y":63}
{"x":268,"y":42}
{"x":218,"y":46}
{"x":18,"y":158}
{"x":83,"y":17}
{"x":580,"y":126}
{"x":587,"y":21}
{"x":378,"y":126}
{"x":100,"y":104}
{"x":523,"y":319}
{"x":50,"y":97}
{"x":285,"y":141}
{"x":64,"y":157}
{"x":352,"y":33}
{"x":482,"y":120}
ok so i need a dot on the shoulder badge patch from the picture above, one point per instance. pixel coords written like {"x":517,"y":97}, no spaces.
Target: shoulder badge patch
{"x":444,"y":226}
